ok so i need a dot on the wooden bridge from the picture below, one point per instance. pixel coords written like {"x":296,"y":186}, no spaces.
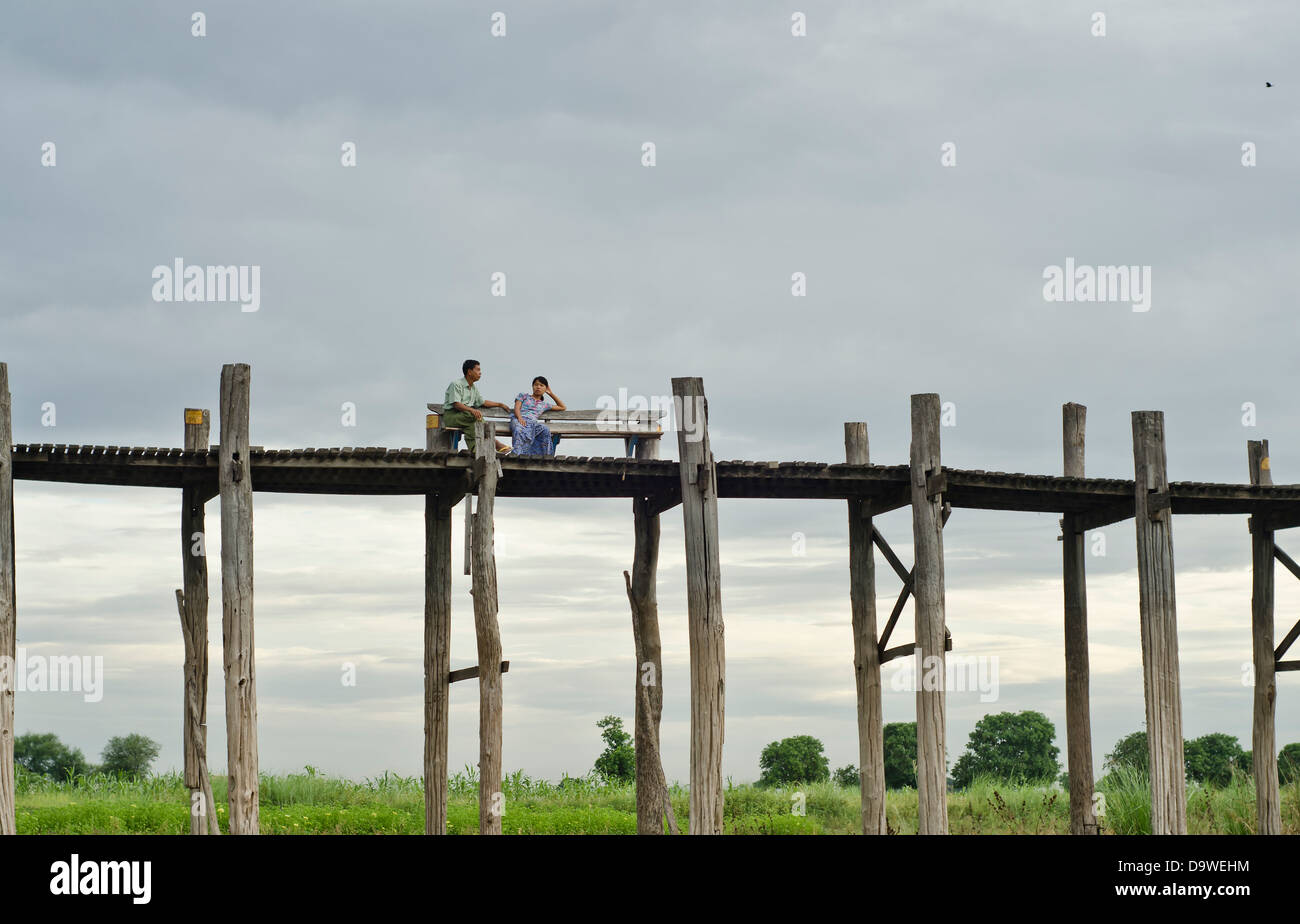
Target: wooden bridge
{"x":233,"y":469}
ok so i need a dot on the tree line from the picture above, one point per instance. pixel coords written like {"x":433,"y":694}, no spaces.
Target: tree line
{"x":1015,"y":747}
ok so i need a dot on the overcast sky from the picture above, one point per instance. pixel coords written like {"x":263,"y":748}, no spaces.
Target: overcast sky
{"x":522,"y":155}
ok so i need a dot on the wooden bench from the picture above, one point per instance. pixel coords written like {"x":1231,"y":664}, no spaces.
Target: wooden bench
{"x":629,"y":426}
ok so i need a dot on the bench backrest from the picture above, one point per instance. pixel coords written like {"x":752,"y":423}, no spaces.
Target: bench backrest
{"x":578,"y":424}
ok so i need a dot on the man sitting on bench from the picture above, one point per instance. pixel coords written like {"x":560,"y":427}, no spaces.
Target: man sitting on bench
{"x":460,"y":408}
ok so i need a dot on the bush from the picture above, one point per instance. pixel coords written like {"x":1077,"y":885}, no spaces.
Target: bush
{"x":130,"y":756}
{"x":617,"y":763}
{"x":848,"y":777}
{"x":1130,"y":751}
{"x":900,"y":755}
{"x":45,"y":755}
{"x":793,"y":760}
{"x":1012,"y":746}
{"x":1211,"y":759}
{"x":1288,"y":764}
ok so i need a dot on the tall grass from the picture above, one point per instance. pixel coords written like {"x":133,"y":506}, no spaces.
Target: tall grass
{"x":312,"y":802}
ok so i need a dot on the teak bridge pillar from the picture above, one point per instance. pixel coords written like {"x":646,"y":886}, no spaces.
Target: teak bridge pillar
{"x":487,"y":470}
{"x":235,"y":479}
{"x":192,"y":603}
{"x":8,"y":609}
{"x":1078,"y":726}
{"x":1159,"y":624}
{"x":1263,"y":737}
{"x":699,"y":486}
{"x":866,"y":651}
{"x":927,"y":487}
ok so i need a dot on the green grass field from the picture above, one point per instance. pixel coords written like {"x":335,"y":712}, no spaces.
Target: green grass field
{"x":311,"y":803}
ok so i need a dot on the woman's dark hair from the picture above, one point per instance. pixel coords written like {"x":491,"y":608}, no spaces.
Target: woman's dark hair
{"x":467,"y":365}
{"x":542,"y":379}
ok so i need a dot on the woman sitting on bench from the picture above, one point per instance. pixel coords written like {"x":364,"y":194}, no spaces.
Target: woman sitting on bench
{"x":529,"y":436}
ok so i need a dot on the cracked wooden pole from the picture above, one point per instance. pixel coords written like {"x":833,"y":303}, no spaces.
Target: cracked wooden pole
{"x":653,"y":798}
{"x":235,"y":479}
{"x":927,"y":536}
{"x":1268,"y":805}
{"x":193,"y":603}
{"x":491,"y":800}
{"x":1078,"y":725}
{"x":1159,"y":624}
{"x":437,"y":642}
{"x":8,"y":610}
{"x":866,"y":648}
{"x":699,"y":483}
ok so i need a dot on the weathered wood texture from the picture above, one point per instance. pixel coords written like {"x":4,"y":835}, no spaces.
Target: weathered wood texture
{"x":653,"y":799}
{"x":699,"y":489}
{"x":1078,"y":724}
{"x":1268,"y":804}
{"x":437,"y":651}
{"x":488,"y":633}
{"x":866,"y":648}
{"x":237,"y":600}
{"x":8,"y":607}
{"x":928,"y":590}
{"x":194,"y":628}
{"x":469,"y":533}
{"x":1159,"y":625}
{"x":471,"y":673}
{"x":203,"y":815}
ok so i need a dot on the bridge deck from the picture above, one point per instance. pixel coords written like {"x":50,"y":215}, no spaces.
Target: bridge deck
{"x":376,"y":470}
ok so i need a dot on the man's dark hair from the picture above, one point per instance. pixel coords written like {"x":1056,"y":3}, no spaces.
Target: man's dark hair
{"x":542,"y":379}
{"x":467,"y":365}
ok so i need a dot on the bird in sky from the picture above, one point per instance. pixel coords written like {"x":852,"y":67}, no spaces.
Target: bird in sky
{"x":1267,"y":84}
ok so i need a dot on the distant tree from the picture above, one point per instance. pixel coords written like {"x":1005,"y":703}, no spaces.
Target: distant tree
{"x":617,"y":762}
{"x":793,"y":760}
{"x":1288,"y":764}
{"x":47,"y":756}
{"x":1210,"y":759}
{"x":900,"y":755}
{"x":848,"y":777}
{"x":129,"y":755}
{"x":1130,"y":751}
{"x":1012,"y":746}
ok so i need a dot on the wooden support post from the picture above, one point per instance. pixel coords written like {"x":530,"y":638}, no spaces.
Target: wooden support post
{"x":8,"y":610}
{"x":866,"y":649}
{"x":1078,"y":725}
{"x":235,"y":478}
{"x":469,"y":534}
{"x":699,"y":485}
{"x":193,"y":602}
{"x":1159,"y":625}
{"x":491,"y":800}
{"x":653,"y":798}
{"x":437,"y":647}
{"x":927,"y":535}
{"x":1268,"y":805}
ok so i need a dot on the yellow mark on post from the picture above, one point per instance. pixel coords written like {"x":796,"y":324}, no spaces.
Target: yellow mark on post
{"x":1263,"y":463}
{"x":193,"y":417}
{"x":431,"y":421}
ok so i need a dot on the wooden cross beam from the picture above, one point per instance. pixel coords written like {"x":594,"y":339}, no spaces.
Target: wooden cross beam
{"x":904,"y":650}
{"x":468,"y":673}
{"x":1287,"y":642}
{"x":908,"y":578}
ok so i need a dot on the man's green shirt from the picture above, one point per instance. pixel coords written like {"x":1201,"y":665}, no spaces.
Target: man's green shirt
{"x":461,"y":390}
